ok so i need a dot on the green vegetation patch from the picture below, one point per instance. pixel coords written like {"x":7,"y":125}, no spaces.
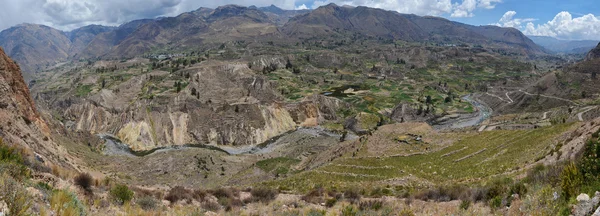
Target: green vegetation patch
{"x":83,"y":90}
{"x":280,"y":165}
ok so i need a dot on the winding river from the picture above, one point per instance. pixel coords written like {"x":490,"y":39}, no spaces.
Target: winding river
{"x":114,"y":146}
{"x":482,"y":113}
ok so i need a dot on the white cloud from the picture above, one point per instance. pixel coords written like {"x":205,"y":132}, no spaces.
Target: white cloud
{"x":420,"y":7}
{"x":302,"y":7}
{"x":465,"y":9}
{"x":488,"y":4}
{"x":564,"y":26}
{"x":508,"y":20}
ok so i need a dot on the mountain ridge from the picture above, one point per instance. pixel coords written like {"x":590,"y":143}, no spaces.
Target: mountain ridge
{"x":204,"y":26}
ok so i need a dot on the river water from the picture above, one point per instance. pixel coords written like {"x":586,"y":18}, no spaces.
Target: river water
{"x":114,"y":146}
{"x":482,"y":113}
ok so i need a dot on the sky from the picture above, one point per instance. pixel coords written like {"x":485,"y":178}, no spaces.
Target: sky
{"x":563,"y":19}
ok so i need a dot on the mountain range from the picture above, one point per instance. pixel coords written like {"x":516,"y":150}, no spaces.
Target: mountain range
{"x":37,"y":46}
{"x":564,"y":46}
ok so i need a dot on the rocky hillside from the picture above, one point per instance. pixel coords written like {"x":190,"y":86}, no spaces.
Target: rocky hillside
{"x":81,"y":37}
{"x":280,"y":16}
{"x":205,"y":29}
{"x":195,"y":29}
{"x":35,"y":46}
{"x":594,"y":54}
{"x":104,"y":42}
{"x":20,"y":123}
{"x":336,"y":21}
{"x":216,"y":103}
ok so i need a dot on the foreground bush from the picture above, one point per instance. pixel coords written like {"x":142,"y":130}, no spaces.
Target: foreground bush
{"x":352,"y":195}
{"x":264,"y":195}
{"x":370,"y":205}
{"x":84,"y":181}
{"x":178,"y":193}
{"x":121,"y":194}
{"x":147,"y":203}
{"x":570,"y":181}
{"x":66,"y":203}
{"x":14,"y":194}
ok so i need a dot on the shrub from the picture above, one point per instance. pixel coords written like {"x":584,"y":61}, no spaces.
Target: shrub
{"x":495,"y":202}
{"x":14,"y":194}
{"x":121,"y":194}
{"x":316,"y":212}
{"x":330,"y":202}
{"x":541,"y":174}
{"x":314,"y":196}
{"x":444,"y":194}
{"x":349,"y":210}
{"x":498,"y":188}
{"x":66,"y":203}
{"x":518,"y":188}
{"x":146,"y":203}
{"x":84,"y":181}
{"x":222,"y":193}
{"x":199,"y":195}
{"x":379,"y":192}
{"x":465,"y":204}
{"x":178,"y":193}
{"x":352,"y":195}
{"x":141,"y":192}
{"x":211,"y":206}
{"x":479,"y":194}
{"x":264,"y":195}
{"x":14,"y":170}
{"x":406,"y":212}
{"x":230,"y":203}
{"x":571,"y":181}
{"x":370,"y":205}
{"x":10,"y":154}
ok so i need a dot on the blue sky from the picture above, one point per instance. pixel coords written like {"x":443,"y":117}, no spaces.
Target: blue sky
{"x":564,"y":19}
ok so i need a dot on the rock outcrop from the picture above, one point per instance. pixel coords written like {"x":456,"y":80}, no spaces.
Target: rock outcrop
{"x":222,"y":104}
{"x":586,"y":205}
{"x":15,"y":94}
{"x":593,"y":54}
{"x":410,"y":113}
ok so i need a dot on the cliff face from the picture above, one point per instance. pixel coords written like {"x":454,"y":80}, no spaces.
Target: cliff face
{"x":15,"y":96}
{"x":222,"y":104}
{"x":20,"y":123}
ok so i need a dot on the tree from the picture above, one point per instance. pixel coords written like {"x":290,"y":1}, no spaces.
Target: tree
{"x":178,"y":86}
{"x":448,"y":99}
{"x":428,"y":100}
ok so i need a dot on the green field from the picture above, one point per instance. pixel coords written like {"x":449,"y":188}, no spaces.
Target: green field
{"x":475,"y":157}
